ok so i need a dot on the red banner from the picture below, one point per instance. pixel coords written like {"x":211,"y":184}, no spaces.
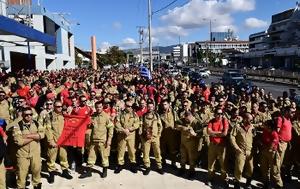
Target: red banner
{"x":74,"y":131}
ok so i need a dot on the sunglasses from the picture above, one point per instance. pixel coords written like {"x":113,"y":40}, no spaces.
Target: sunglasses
{"x":49,"y":104}
{"x":28,"y":115}
{"x":219,"y":113}
{"x":58,"y":106}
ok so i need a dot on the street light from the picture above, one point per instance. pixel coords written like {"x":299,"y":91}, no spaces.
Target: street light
{"x":210,"y":26}
{"x":210,"y":35}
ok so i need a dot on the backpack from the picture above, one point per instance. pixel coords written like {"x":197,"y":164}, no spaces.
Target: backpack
{"x":3,"y":148}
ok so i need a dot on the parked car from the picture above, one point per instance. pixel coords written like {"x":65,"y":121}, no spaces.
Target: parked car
{"x":186,"y":71}
{"x":232,"y":78}
{"x":203,"y":74}
{"x":173,"y":72}
{"x":203,"y":70}
{"x":195,"y":77}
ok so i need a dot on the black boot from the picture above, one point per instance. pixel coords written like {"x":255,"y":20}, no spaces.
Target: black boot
{"x":85,"y":174}
{"x":192,"y":174}
{"x":181,"y":172}
{"x":288,"y":177}
{"x":39,"y":186}
{"x":237,"y":185}
{"x":266,"y":185}
{"x":161,"y":171}
{"x":104,"y":173}
{"x":225,"y":184}
{"x":51,"y":177}
{"x":118,"y":169}
{"x":65,"y":174}
{"x":173,"y":165}
{"x":133,"y":168}
{"x":147,"y":171}
{"x":248,"y":184}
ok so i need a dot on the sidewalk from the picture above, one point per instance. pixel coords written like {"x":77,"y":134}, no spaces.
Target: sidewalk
{"x":128,"y":180}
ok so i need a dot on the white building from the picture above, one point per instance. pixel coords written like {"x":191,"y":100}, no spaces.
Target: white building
{"x":15,"y":52}
{"x":146,"y":56}
{"x":279,"y":46}
{"x":176,"y":53}
{"x":220,"y":46}
{"x":185,"y":52}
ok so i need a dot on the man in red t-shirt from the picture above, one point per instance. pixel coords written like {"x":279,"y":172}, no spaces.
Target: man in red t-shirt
{"x":217,"y":130}
{"x":270,"y":168}
{"x":23,"y":90}
{"x":284,"y":129}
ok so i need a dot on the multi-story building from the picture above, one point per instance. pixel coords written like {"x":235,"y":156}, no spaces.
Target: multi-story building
{"x":176,"y":53}
{"x":220,"y":46}
{"x":20,"y":53}
{"x":223,"y":36}
{"x":146,"y":56}
{"x":257,"y":41}
{"x":279,"y":46}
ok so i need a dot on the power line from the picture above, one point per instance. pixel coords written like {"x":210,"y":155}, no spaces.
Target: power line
{"x":163,"y":8}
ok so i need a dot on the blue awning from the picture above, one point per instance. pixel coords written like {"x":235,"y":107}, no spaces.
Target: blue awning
{"x":11,"y":27}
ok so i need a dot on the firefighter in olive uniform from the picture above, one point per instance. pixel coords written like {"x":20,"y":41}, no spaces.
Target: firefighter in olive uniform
{"x":5,"y":108}
{"x":204,"y":116}
{"x":54,"y":122}
{"x":101,"y":136}
{"x":168,"y":137}
{"x":126,"y":125}
{"x":189,"y":143}
{"x":27,"y":134}
{"x":151,"y":130}
{"x":241,"y":138}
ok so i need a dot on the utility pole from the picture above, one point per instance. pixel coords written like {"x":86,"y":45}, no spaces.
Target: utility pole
{"x":210,"y":34}
{"x":29,"y":24}
{"x":141,"y":38}
{"x":149,"y":31}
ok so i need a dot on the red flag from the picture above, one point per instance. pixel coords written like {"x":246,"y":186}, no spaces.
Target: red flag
{"x":74,"y":131}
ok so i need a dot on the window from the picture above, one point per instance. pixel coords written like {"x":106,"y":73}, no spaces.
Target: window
{"x":65,"y":62}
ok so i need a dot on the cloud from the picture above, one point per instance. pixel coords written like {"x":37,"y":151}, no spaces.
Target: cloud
{"x":117,"y":25}
{"x":255,"y":23}
{"x":172,"y":31}
{"x":128,"y":43}
{"x":104,"y":46}
{"x":198,"y":14}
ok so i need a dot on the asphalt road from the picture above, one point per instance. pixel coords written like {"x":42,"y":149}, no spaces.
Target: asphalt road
{"x":275,"y":89}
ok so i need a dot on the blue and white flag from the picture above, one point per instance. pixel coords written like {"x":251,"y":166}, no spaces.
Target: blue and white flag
{"x":145,"y":72}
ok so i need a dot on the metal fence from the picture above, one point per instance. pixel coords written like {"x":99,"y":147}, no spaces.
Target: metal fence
{"x":278,"y":76}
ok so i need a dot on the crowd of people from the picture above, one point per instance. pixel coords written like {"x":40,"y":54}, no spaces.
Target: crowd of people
{"x":193,"y":123}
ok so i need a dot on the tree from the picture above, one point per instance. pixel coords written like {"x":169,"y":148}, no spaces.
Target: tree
{"x":200,"y":55}
{"x":116,"y":56}
{"x":212,"y":58}
{"x":113,"y":56}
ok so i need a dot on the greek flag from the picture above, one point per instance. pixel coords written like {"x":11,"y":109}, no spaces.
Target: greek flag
{"x":145,"y":72}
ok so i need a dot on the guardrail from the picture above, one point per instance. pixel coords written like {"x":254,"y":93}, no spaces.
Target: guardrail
{"x":276,"y":76}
